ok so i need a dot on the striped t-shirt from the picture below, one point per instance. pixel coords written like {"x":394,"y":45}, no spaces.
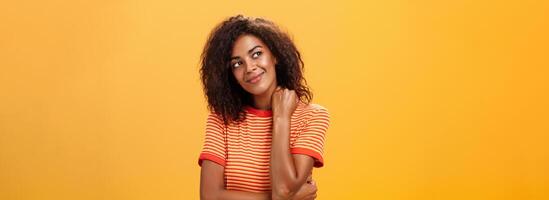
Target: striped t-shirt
{"x":244,"y":148}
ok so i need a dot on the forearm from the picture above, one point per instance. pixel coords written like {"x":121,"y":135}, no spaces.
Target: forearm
{"x":240,"y":195}
{"x":212,"y":186}
{"x":284,"y":179}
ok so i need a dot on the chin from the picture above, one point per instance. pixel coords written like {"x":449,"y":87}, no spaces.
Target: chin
{"x":261,"y":88}
{"x":258,"y":90}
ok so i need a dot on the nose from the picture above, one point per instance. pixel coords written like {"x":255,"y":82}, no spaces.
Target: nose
{"x":252,"y":66}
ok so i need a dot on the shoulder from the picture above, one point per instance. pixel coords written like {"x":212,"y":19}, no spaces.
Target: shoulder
{"x":214,"y":115}
{"x":217,"y":119}
{"x":214,"y":118}
{"x":314,"y":111}
{"x":313,"y":108}
{"x":316,"y":108}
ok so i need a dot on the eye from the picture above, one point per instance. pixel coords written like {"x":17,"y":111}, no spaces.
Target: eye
{"x":236,"y":64}
{"x":256,"y":54}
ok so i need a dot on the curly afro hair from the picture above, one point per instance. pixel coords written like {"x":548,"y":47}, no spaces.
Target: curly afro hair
{"x":225,"y":96}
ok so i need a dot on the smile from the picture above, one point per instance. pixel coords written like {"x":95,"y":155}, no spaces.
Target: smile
{"x":256,"y":78}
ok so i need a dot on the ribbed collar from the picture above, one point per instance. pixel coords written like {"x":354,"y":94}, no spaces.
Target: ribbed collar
{"x":261,"y":113}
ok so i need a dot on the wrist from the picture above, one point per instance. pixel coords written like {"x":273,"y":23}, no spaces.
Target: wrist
{"x":280,"y":119}
{"x":281,"y":126}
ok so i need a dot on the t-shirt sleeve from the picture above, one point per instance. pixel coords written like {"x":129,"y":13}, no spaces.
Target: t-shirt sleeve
{"x":214,"y":148}
{"x":311,"y":140}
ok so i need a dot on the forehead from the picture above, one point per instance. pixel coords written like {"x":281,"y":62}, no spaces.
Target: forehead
{"x":244,"y":43}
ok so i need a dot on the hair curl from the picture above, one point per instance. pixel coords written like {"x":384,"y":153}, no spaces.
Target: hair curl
{"x":224,"y":95}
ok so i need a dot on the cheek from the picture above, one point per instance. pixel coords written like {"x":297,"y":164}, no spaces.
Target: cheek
{"x":237,"y":74}
{"x":267,"y":63}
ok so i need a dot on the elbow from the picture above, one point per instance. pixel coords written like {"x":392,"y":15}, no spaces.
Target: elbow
{"x":209,"y":195}
{"x":282,"y":192}
{"x":206,"y":196}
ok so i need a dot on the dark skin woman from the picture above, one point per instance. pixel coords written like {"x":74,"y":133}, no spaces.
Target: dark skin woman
{"x":249,"y":62}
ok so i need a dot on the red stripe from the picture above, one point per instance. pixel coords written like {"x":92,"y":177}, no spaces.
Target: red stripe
{"x":247,"y":145}
{"x":214,"y":158}
{"x":319,"y":162}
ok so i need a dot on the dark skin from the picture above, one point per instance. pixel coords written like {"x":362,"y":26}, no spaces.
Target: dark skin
{"x":289,"y":172}
{"x":253,"y":66}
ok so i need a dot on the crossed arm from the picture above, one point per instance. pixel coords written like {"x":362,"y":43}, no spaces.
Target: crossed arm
{"x":290,"y":173}
{"x":212,"y":184}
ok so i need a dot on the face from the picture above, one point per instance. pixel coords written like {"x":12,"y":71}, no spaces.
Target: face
{"x":253,"y":65}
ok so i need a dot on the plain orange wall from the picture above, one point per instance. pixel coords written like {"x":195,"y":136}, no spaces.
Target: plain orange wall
{"x":429,"y":99}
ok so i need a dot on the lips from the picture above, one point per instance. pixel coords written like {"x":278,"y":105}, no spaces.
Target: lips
{"x":255,"y":78}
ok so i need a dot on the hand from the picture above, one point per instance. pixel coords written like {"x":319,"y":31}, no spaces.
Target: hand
{"x":284,"y":102}
{"x":307,"y":191}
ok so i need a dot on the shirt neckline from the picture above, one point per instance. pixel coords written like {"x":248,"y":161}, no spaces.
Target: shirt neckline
{"x":258,"y":112}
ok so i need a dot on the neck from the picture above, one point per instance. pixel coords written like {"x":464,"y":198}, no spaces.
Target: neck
{"x":263,"y":101}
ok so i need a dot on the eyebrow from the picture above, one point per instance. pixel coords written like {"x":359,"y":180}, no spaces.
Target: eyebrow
{"x":249,"y":51}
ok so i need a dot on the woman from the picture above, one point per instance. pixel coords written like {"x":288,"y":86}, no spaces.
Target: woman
{"x":263,"y":136}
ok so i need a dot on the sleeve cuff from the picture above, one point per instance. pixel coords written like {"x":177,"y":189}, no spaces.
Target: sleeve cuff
{"x":211,"y":157}
{"x":319,"y":161}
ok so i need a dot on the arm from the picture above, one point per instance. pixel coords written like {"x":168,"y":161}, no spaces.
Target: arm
{"x":288,"y":173}
{"x":212,"y":185}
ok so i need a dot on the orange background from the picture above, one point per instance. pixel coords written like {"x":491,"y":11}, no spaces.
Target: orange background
{"x":429,"y":99}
